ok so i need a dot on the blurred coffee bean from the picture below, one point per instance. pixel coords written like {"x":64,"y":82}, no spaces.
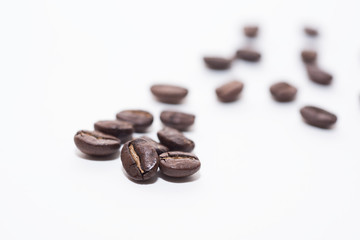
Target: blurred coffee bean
{"x":169,"y":93}
{"x":317,"y":75}
{"x":178,"y":120}
{"x":310,"y":31}
{"x":230,"y":91}
{"x":140,"y":119}
{"x":308,"y":56}
{"x":248,"y":55}
{"x":283,"y":92}
{"x":318,"y":117}
{"x":217,"y":63}
{"x":251,"y":31}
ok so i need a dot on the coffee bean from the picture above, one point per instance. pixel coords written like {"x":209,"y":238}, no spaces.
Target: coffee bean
{"x":317,"y":75}
{"x":318,"y":117}
{"x":158,"y":146}
{"x":217,"y":63}
{"x":175,"y":140}
{"x":230,"y":91}
{"x":179,"y":164}
{"x":251,"y":31}
{"x":308,"y":56}
{"x":139,"y":159}
{"x":311,"y":31}
{"x":117,"y":128}
{"x":178,"y":120}
{"x":140,"y":119}
{"x":248,"y":55}
{"x":283,"y":92}
{"x":95,"y":143}
{"x":169,"y":93}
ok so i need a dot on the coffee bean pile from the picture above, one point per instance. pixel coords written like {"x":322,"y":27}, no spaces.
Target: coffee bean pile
{"x":280,"y":91}
{"x":141,"y":157}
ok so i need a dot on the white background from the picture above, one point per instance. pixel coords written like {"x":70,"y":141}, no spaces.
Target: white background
{"x":265,"y":173}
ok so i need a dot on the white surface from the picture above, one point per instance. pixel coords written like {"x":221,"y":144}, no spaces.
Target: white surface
{"x":265,"y":174}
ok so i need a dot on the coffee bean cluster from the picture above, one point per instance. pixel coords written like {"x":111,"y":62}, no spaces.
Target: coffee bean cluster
{"x":141,"y":157}
{"x":280,"y":91}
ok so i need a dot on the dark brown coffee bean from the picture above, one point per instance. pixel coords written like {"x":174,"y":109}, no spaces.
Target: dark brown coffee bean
{"x":140,"y":119}
{"x":169,"y":93}
{"x":158,"y":146}
{"x":283,"y":92}
{"x":308,"y":56}
{"x":178,"y":120}
{"x":251,"y":31}
{"x":311,"y":31}
{"x":175,"y":140}
{"x":318,"y":117}
{"x":95,"y":143}
{"x":217,"y":63}
{"x":230,"y":91}
{"x":248,"y":55}
{"x":139,"y":159}
{"x":117,"y":128}
{"x":317,"y":75}
{"x":179,"y":164}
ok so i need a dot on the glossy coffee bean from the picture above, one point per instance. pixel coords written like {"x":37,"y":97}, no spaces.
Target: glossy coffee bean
{"x":95,"y":143}
{"x":117,"y":128}
{"x":230,"y":91}
{"x":175,"y":140}
{"x":318,"y":117}
{"x":139,"y":159}
{"x":283,"y":92}
{"x":317,"y":75}
{"x":311,"y":31}
{"x":169,"y":93}
{"x":248,"y":55}
{"x":217,"y":63}
{"x":140,"y":119}
{"x":178,"y":120}
{"x":308,"y":56}
{"x":251,"y":31}
{"x":158,"y":146}
{"x":179,"y":164}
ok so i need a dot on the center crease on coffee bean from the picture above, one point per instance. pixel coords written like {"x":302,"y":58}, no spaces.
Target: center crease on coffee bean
{"x":136,"y":158}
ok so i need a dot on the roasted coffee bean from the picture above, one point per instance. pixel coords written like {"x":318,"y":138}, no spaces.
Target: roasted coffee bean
{"x":318,"y":117}
{"x":95,"y":143}
{"x":117,"y":128}
{"x":158,"y":146}
{"x":283,"y":92}
{"x":140,"y":119}
{"x":139,"y":159}
{"x":175,"y":140}
{"x":308,"y":56}
{"x":169,"y":93}
{"x":311,"y":31}
{"x":317,"y":75}
{"x":178,"y":120}
{"x":179,"y":164}
{"x":230,"y":91}
{"x":251,"y":31}
{"x":217,"y":63}
{"x":248,"y":55}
